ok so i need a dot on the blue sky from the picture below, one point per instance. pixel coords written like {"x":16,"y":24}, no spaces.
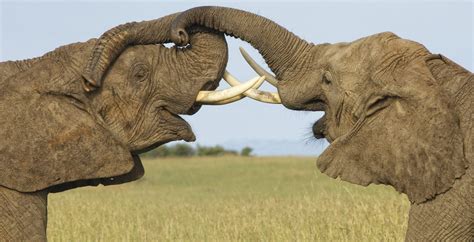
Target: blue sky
{"x":30,"y":29}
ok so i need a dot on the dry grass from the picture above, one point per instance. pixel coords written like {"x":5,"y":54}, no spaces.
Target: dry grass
{"x":229,"y":199}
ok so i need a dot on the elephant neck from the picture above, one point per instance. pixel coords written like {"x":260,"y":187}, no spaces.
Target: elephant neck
{"x":448,"y":217}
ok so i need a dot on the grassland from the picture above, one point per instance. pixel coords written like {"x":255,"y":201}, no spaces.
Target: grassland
{"x":229,"y":199}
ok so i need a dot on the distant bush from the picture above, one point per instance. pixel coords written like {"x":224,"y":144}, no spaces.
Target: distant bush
{"x":214,"y":151}
{"x":182,"y":150}
{"x":246,"y":151}
{"x":185,"y":150}
{"x":162,"y":151}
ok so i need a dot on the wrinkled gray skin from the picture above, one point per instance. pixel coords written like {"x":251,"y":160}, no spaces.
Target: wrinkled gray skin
{"x":57,"y":136}
{"x":395,"y":114}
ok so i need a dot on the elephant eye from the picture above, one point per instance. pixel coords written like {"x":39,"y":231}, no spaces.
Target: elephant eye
{"x":139,"y":72}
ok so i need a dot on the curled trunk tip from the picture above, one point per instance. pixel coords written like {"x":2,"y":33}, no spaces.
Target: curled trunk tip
{"x":281,"y":49}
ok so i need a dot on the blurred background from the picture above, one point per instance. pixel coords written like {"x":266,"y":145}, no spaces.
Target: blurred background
{"x":29,"y":29}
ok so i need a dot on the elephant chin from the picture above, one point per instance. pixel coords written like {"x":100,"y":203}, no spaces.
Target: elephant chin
{"x":177,"y":126}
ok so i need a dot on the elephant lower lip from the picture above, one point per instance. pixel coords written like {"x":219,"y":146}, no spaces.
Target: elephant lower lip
{"x":194,"y":109}
{"x":182,"y":129}
{"x":208,"y":86}
{"x":319,"y":136}
{"x":319,"y":128}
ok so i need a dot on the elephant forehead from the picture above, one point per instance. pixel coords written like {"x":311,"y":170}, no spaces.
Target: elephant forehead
{"x":361,"y":51}
{"x":137,"y":53}
{"x":351,"y":57}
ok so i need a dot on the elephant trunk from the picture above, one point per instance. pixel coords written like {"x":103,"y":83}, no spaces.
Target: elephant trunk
{"x":114,"y":41}
{"x":202,"y":65}
{"x":281,"y":49}
{"x":211,"y":50}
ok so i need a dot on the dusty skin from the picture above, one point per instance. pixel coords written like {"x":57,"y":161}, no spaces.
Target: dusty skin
{"x":395,"y":113}
{"x":83,"y":112}
{"x":58,"y":132}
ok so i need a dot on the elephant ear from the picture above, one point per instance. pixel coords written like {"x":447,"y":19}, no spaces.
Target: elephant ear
{"x":454,"y":78}
{"x":47,"y":139}
{"x":413,"y":144}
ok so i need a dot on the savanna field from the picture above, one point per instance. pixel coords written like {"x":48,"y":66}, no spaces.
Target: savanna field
{"x":229,"y":198}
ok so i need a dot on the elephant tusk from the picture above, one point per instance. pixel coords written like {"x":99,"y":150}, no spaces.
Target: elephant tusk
{"x":257,"y":68}
{"x":266,"y":97}
{"x":232,"y":81}
{"x":241,"y":96}
{"x":227,"y":101}
{"x":210,"y":97}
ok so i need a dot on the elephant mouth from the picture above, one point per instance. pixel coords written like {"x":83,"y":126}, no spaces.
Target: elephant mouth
{"x":177,"y":125}
{"x":209,"y":96}
{"x":207,"y":87}
{"x":320,"y":130}
{"x":194,"y":109}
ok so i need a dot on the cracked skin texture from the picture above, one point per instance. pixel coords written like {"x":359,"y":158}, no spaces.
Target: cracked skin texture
{"x":55,"y":133}
{"x":56,"y":136}
{"x":395,"y":114}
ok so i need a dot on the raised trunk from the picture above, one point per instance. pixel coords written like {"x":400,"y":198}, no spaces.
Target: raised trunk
{"x":282,"y":50}
{"x":206,"y":52}
{"x":113,"y":42}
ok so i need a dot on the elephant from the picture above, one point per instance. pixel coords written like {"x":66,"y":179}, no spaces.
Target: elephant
{"x":395,"y":113}
{"x":59,"y":131}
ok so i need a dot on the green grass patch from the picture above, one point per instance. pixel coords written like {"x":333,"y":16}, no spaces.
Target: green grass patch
{"x":229,"y":199}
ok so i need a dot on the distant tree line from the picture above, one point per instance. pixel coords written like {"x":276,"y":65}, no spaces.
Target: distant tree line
{"x":185,"y":150}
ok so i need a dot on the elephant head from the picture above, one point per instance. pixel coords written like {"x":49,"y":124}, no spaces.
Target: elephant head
{"x":55,"y":135}
{"x":388,"y":118}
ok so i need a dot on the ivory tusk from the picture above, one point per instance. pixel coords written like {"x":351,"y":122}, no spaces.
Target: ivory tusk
{"x":210,"y":97}
{"x":227,"y":101}
{"x":257,"y":68}
{"x":239,"y":97}
{"x":267,"y":97}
